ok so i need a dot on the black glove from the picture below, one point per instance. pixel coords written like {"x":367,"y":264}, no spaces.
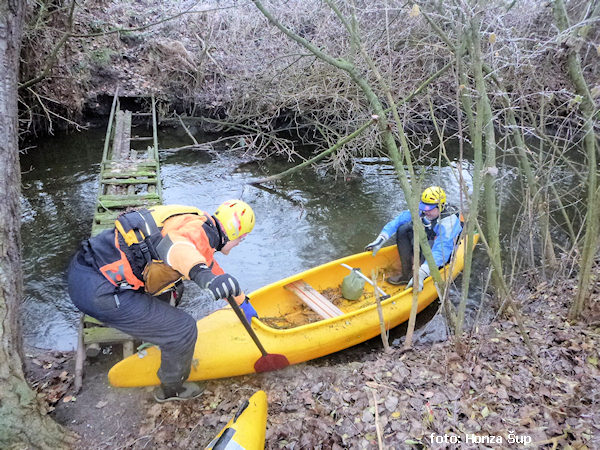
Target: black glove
{"x":224,"y":286}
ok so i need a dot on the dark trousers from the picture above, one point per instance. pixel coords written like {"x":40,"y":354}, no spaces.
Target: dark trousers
{"x":405,"y":240}
{"x":139,"y":315}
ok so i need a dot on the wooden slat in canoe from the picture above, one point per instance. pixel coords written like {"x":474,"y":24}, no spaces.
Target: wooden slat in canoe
{"x":314,"y":299}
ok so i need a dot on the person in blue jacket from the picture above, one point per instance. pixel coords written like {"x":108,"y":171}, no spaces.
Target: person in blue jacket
{"x":442,"y":226}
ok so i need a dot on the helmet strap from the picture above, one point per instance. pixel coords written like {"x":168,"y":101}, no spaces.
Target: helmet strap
{"x":223,"y":239}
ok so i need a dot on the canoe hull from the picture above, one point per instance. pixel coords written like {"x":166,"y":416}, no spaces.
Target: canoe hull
{"x":224,"y":349}
{"x":247,"y":429}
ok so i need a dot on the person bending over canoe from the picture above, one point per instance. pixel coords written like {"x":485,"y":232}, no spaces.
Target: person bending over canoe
{"x":442,"y":226}
{"x":126,"y":277}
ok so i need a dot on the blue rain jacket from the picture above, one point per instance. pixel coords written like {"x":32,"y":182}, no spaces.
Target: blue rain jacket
{"x":446,"y":230}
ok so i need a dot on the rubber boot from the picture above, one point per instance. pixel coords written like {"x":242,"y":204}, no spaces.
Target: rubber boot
{"x":398,"y":279}
{"x":186,"y":391}
{"x":404,"y":242}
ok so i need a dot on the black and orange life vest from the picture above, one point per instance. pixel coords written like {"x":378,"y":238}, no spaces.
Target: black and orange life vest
{"x":129,"y":255}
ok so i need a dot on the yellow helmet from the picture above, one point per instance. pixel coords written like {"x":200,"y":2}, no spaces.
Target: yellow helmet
{"x":236,"y":217}
{"x":432,"y":197}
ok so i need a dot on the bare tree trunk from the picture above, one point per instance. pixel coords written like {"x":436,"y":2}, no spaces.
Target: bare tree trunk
{"x":592,"y":217}
{"x":490,"y":169}
{"x":22,"y":421}
{"x":387,"y":137}
{"x":535,"y":193}
{"x":412,"y":319}
{"x":474,"y":125}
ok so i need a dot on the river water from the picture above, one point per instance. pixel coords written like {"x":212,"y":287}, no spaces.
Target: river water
{"x":308,"y":220}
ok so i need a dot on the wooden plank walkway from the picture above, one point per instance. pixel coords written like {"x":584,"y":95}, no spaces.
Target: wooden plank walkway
{"x":129,"y":179}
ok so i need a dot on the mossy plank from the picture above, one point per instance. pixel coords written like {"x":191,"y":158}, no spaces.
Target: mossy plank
{"x":99,"y":228}
{"x":143,"y":203}
{"x":126,"y":145}
{"x":92,"y":320}
{"x":115,"y":150}
{"x":130,"y":204}
{"x":116,"y":176}
{"x":108,"y":219}
{"x":129,"y":201}
{"x":120,"y":164}
{"x":104,"y":335}
{"x":129,"y":181}
{"x":134,"y":197}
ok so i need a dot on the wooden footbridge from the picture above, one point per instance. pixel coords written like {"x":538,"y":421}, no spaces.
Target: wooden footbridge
{"x":129,"y":178}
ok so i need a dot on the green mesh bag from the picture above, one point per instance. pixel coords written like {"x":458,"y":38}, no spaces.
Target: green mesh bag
{"x":352,"y":285}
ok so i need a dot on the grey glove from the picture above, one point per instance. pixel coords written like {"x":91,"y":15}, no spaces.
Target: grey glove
{"x":423,"y":273}
{"x":223,"y":286}
{"x":376,"y":244}
{"x":220,"y":286}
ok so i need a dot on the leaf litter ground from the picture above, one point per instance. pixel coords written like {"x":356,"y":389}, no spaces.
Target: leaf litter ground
{"x":361,"y":400}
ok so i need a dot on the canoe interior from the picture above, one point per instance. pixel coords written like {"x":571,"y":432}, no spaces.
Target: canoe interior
{"x":279,"y":308}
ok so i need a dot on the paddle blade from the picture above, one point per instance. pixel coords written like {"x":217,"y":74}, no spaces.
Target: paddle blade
{"x":270,"y":362}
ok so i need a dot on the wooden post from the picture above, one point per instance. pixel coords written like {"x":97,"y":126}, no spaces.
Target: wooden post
{"x":80,"y":359}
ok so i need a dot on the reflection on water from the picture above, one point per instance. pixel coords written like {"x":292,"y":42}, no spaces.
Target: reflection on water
{"x":326,"y":220}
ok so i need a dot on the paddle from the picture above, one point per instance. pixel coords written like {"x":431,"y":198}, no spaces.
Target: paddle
{"x":268,"y":361}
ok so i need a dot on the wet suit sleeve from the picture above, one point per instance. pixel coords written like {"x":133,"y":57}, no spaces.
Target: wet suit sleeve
{"x":390,"y":228}
{"x":189,"y":245}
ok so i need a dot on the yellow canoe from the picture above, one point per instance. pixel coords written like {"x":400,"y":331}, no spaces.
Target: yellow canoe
{"x":246,"y":429}
{"x":287,"y":326}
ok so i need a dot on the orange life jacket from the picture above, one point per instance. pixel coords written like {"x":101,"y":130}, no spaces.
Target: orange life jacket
{"x":129,"y":256}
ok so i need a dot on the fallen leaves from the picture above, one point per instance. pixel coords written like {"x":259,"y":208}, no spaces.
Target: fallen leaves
{"x":494,"y":388}
{"x":391,"y":403}
{"x":48,"y":376}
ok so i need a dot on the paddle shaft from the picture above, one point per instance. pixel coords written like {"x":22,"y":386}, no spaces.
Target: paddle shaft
{"x":247,"y":326}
